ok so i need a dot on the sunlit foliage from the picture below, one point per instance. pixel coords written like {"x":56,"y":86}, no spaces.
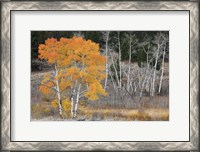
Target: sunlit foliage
{"x":76,"y":61}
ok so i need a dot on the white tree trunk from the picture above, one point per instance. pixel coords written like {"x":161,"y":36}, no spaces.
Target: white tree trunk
{"x":162,"y":70}
{"x":129,"y":64}
{"x":72,"y":106}
{"x":139,"y":77}
{"x":73,"y":93}
{"x":154,"y":74}
{"x":145,"y":81}
{"x":58,"y":92}
{"x":77,"y":101}
{"x":120,"y":64}
{"x":106,"y":79}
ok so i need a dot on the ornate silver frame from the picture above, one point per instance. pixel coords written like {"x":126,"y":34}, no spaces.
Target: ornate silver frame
{"x":7,"y":6}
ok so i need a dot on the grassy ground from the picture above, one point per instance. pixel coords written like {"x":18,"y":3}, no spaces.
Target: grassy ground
{"x":44,"y":111}
{"x":152,"y":110}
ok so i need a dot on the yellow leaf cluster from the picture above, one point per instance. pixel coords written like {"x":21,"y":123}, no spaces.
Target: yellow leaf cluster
{"x":54,"y":104}
{"x":46,"y":86}
{"x":66,"y":104}
{"x":94,"y":90}
{"x":65,"y":83}
{"x":45,"y":90}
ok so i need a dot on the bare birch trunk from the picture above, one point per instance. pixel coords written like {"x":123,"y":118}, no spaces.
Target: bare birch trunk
{"x":120,"y":64}
{"x":73,"y":93}
{"x":106,"y":79}
{"x":162,"y":70}
{"x":135,"y":87}
{"x":146,"y":72}
{"x":139,"y":77}
{"x":154,"y":74}
{"x":129,"y":64}
{"x":59,"y":104}
{"x":58,"y":93}
{"x":72,"y":106}
{"x":77,"y":101}
{"x":151,"y":87}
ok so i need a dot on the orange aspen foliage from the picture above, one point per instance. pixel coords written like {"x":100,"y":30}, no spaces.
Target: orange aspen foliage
{"x":78,"y":66}
{"x":87,"y":66}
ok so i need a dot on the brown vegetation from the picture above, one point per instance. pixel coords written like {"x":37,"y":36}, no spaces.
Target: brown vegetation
{"x":44,"y":111}
{"x":155,"y":109}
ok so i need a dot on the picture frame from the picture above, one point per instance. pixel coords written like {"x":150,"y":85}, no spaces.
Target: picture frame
{"x":7,"y":7}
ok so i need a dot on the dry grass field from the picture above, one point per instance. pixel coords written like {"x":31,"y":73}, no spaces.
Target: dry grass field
{"x":44,"y":111}
{"x":155,"y":109}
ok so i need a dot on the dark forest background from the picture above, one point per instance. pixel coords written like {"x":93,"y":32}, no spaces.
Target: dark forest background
{"x":139,"y":56}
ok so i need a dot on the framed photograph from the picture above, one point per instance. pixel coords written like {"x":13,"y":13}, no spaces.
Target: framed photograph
{"x":109,"y":75}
